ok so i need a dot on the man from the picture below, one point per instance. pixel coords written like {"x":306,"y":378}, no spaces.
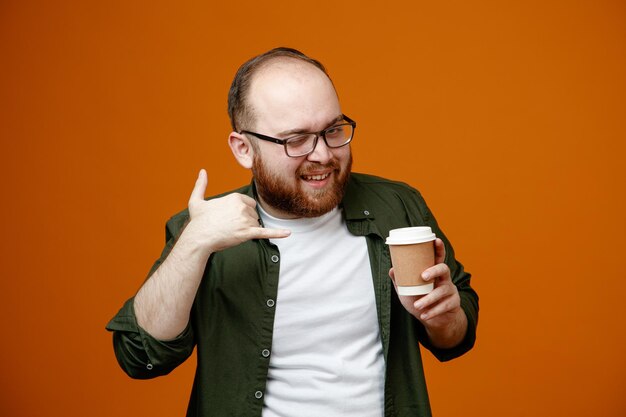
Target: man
{"x":283,"y":285}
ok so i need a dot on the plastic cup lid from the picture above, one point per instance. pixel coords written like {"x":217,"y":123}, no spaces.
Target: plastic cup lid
{"x":410,"y":235}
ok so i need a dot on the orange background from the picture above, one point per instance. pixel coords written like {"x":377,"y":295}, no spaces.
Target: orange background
{"x":508,"y":116}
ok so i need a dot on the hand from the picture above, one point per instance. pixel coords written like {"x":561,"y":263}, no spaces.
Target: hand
{"x":225,"y":222}
{"x":440,"y":310}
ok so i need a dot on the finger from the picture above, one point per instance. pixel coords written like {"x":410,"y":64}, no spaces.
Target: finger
{"x":433,"y":297}
{"x":199,"y":188}
{"x":248,"y":201}
{"x":445,"y":306}
{"x":440,"y":270}
{"x":265,"y":233}
{"x":440,"y":251}
{"x":252,"y":214}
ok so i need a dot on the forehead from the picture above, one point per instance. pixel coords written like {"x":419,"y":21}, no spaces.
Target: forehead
{"x":290,"y":94}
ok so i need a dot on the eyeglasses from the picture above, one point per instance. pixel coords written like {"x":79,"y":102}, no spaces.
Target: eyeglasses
{"x":335,"y":136}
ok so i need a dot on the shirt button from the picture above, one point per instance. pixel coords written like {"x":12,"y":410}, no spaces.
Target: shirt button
{"x":149,"y":367}
{"x":367,"y":213}
{"x":265,"y":353}
{"x":258,"y":395}
{"x":270,"y":303}
{"x":274,"y":258}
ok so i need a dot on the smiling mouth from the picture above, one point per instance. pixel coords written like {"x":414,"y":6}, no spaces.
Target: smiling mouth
{"x":319,"y":177}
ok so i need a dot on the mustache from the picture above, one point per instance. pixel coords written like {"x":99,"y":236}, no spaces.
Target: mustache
{"x":313,"y":167}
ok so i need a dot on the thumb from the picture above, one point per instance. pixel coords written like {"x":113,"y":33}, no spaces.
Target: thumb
{"x":392,"y":275}
{"x":199,"y":188}
{"x":440,"y":251}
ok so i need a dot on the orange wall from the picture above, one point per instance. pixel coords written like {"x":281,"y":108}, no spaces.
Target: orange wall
{"x":508,"y":116}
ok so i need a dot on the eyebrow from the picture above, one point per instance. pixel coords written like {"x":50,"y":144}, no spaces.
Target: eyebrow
{"x":298,"y":131}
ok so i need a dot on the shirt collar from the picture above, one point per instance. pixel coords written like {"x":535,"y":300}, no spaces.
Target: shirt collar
{"x":355,"y":208}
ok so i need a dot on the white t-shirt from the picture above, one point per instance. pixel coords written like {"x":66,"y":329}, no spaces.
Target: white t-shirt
{"x":326,"y":357}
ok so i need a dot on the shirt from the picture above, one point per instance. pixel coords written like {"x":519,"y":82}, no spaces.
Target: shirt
{"x":231,"y":321}
{"x":324,"y":354}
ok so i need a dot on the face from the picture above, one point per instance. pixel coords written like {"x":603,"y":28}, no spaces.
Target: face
{"x":289,"y":98}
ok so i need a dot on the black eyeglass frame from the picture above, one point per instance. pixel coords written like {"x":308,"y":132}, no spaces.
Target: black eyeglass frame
{"x":321,"y":133}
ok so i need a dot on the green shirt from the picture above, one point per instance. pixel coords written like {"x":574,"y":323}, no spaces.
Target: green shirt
{"x":232,"y":317}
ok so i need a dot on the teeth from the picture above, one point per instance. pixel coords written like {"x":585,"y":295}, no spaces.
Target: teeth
{"x":316,"y":177}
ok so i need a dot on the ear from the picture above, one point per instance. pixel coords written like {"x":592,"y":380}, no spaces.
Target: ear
{"x":242,"y":149}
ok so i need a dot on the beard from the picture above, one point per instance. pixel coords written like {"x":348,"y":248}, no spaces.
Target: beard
{"x":287,"y":194}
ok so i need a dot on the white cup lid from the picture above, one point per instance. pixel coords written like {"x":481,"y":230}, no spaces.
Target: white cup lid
{"x":410,"y":235}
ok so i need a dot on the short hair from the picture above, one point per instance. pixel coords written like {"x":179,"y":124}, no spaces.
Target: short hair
{"x":239,"y":111}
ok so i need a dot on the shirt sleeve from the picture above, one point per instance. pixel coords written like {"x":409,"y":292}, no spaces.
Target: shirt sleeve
{"x":139,"y":354}
{"x":460,"y":278}
{"x":469,"y":304}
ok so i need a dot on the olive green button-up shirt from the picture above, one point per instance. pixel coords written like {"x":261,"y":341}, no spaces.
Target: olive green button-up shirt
{"x":232,"y":318}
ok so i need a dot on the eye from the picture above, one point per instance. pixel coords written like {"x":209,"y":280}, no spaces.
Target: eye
{"x":336,"y":132}
{"x":333,"y":130}
{"x":298,"y":140}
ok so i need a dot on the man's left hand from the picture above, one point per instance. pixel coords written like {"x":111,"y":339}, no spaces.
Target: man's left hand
{"x":440,"y":310}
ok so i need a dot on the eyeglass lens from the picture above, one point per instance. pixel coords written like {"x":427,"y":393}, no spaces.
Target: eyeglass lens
{"x":335,"y":136}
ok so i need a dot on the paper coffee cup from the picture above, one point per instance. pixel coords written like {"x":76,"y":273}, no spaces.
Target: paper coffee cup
{"x":412,"y":252}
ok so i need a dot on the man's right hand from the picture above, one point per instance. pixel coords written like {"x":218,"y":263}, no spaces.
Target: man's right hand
{"x":224,"y":222}
{"x":163,"y":303}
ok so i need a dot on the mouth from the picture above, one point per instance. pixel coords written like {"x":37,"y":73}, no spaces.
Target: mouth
{"x":316,"y":177}
{"x":317,"y":181}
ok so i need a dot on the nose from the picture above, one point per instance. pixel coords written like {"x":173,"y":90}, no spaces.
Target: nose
{"x":321,"y":153}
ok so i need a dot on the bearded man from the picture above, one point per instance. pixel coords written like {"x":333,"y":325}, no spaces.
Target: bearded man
{"x":284,"y":285}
